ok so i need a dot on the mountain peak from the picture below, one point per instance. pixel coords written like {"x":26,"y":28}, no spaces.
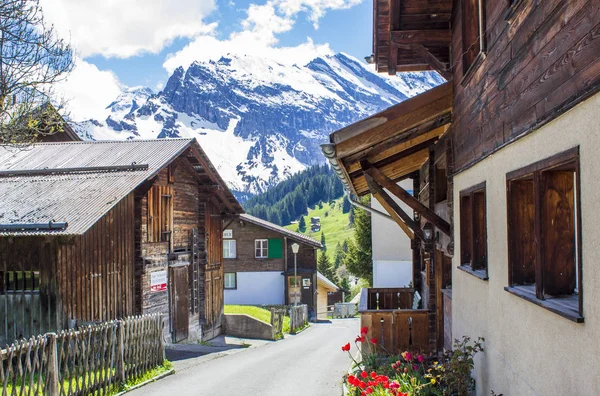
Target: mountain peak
{"x":259,"y":120}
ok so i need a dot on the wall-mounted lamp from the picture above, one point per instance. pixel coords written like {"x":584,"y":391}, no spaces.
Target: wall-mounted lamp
{"x":370,"y":59}
{"x":428,"y":232}
{"x":417,"y":217}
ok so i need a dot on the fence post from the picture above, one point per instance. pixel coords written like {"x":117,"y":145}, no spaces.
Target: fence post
{"x":161,"y":337}
{"x":121,"y":352}
{"x":52,"y":385}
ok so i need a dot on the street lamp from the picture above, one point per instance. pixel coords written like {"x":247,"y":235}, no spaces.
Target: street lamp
{"x":428,"y":232}
{"x":295,"y":248}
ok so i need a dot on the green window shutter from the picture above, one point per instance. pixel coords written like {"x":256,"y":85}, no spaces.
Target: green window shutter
{"x":275,"y":248}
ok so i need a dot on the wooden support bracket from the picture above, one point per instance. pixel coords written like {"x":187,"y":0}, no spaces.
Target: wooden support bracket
{"x":408,"y":199}
{"x":430,"y":59}
{"x":405,"y":222}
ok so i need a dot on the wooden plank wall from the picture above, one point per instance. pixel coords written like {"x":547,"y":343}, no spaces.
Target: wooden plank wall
{"x":539,"y":65}
{"x":214,"y":287}
{"x":23,"y":314}
{"x":96,"y":272}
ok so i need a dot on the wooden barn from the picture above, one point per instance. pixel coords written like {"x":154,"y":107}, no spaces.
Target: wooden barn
{"x":93,"y":231}
{"x":503,"y":160}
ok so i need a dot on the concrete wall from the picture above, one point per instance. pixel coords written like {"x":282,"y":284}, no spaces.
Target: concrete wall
{"x":392,"y":273}
{"x":528,"y":349}
{"x":390,"y":244}
{"x":257,"y":288}
{"x":244,"y":326}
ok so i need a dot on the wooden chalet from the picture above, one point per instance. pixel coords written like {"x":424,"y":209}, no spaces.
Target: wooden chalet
{"x":93,"y":231}
{"x":259,"y":265}
{"x":502,"y":159}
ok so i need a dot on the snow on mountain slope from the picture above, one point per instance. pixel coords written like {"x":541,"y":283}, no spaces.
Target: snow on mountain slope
{"x":258,"y":120}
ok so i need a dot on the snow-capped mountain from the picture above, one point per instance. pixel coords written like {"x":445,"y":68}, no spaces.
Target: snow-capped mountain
{"x":258,"y":120}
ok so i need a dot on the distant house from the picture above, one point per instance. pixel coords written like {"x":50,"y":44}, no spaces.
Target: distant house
{"x":325,"y":287}
{"x":93,"y":231}
{"x":315,"y":220}
{"x":259,"y":264}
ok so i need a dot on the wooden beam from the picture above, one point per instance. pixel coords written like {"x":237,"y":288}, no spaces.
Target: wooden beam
{"x":422,"y":37}
{"x":392,"y":122}
{"x":392,"y":59}
{"x":405,"y":222}
{"x":434,"y":62}
{"x":408,"y":199}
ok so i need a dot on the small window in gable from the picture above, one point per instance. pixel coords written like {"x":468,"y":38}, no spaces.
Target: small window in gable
{"x":261,"y":248}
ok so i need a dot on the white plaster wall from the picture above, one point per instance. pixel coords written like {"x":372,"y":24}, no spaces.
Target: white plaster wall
{"x":528,"y":349}
{"x":390,"y":273}
{"x":389,"y":241}
{"x":257,"y":288}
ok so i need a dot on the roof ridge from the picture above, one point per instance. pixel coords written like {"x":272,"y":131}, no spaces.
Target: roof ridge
{"x":112,"y":141}
{"x":280,"y":228}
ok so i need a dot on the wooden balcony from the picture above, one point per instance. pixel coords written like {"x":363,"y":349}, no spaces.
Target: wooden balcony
{"x":391,"y":319}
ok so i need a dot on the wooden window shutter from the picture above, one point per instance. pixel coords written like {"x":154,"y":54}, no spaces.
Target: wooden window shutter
{"x":275,"y":248}
{"x":558,"y":231}
{"x":466,"y":231}
{"x":479,"y":231}
{"x":521,"y":232}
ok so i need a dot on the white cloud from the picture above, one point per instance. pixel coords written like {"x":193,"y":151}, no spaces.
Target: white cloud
{"x":124,"y":28}
{"x":259,"y":32}
{"x":88,"y":91}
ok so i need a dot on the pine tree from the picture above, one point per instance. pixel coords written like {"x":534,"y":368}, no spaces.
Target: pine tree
{"x":323,"y":242}
{"x":339,"y":256}
{"x":346,"y":205}
{"x":351,"y":216}
{"x":359,"y":257}
{"x":302,"y":225}
{"x":324,"y":267}
{"x":345,"y":246}
{"x":345,"y":285}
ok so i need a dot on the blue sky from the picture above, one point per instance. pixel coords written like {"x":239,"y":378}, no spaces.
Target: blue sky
{"x":345,"y":30}
{"x":143,"y":41}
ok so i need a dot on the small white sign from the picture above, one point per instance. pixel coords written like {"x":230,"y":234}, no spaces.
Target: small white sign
{"x":228,"y":234}
{"x":158,"y":281}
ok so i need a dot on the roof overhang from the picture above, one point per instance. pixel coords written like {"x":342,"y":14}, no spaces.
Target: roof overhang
{"x":412,"y":35}
{"x":396,"y":141}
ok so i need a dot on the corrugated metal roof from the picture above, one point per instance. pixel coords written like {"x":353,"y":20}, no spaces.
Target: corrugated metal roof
{"x":80,"y":199}
{"x":274,"y":227}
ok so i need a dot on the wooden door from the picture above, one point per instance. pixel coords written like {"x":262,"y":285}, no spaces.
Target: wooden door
{"x":180,"y":302}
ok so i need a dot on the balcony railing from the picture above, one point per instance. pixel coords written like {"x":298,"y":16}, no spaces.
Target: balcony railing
{"x":392,"y":321}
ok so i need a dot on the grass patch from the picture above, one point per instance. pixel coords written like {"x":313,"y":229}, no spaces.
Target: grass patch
{"x":158,"y":370}
{"x":334,"y":225}
{"x":256,"y":312}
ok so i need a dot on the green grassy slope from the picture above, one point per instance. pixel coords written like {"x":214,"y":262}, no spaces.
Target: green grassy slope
{"x":257,"y":312}
{"x":334,"y":225}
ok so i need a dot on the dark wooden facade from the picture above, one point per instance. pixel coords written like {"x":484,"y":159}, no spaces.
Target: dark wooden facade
{"x":541,"y":60}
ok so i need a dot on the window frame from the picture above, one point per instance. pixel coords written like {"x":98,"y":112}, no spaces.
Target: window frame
{"x":480,"y":270}
{"x":264,"y":246}
{"x":27,"y":283}
{"x":160,"y":215}
{"x":468,"y":71}
{"x":229,"y":249}
{"x":235,"y":283}
{"x":566,"y":160}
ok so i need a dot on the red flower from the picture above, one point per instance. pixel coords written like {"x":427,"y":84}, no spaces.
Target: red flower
{"x":373,"y":374}
{"x":369,"y":391}
{"x":394,"y":385}
{"x":360,"y":339}
{"x":373,"y":341}
{"x":363,"y":393}
{"x":407,"y":356}
{"x":364,"y":374}
{"x":346,"y":347}
{"x":364,"y":330}
{"x":352,"y":379}
{"x":420,"y":358}
{"x":415,"y":367}
{"x":362,"y":385}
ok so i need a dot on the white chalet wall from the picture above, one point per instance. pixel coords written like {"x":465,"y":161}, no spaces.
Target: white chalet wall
{"x":257,"y":288}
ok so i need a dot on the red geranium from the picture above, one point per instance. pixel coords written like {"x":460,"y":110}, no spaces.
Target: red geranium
{"x":346,"y":347}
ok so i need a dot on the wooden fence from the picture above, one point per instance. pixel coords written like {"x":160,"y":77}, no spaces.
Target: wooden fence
{"x":298,"y":317}
{"x":92,"y":360}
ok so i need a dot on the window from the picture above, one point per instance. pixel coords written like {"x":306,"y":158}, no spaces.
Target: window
{"x":229,"y":248}
{"x":544,"y":234}
{"x":19,"y":281}
{"x":473,"y":37}
{"x":261,"y":248}
{"x":160,"y":214}
{"x":230,"y":280}
{"x":473,"y":231}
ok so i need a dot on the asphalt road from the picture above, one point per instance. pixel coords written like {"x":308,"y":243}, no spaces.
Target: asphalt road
{"x":310,"y":363}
